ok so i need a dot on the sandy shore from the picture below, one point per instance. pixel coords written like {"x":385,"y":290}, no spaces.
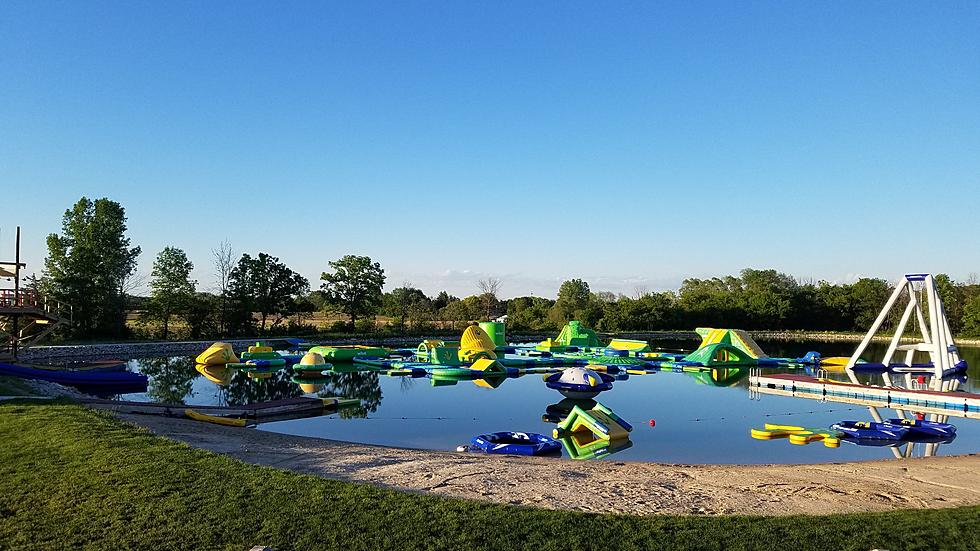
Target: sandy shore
{"x":602,"y":486}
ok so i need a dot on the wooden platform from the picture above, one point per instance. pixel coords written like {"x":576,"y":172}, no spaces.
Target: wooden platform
{"x":275,"y":410}
{"x":959,"y":404}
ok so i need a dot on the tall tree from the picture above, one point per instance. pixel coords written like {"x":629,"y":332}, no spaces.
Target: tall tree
{"x":224,"y":263}
{"x":488,"y":295}
{"x":405,"y":302}
{"x":354,"y":286}
{"x":171,"y":287}
{"x":265,"y":285}
{"x":88,"y":266}
{"x":573,"y":297}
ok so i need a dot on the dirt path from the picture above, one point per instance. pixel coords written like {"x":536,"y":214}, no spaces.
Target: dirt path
{"x":602,"y":486}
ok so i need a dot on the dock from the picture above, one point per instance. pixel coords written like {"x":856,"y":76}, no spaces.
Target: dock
{"x":260,"y":412}
{"x":958,"y":404}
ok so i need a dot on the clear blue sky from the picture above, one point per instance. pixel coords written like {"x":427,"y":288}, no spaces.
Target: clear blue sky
{"x":631,"y":144}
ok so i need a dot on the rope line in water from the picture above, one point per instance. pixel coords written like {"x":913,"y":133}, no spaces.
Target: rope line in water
{"x":695,"y":420}
{"x":787,"y":414}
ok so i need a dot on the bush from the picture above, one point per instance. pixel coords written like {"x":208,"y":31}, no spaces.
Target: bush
{"x":364,"y":325}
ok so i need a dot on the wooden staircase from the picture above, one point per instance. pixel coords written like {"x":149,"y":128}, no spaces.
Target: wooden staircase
{"x":26,"y":318}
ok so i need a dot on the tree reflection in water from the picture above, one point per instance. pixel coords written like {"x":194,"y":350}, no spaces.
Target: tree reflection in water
{"x":171,"y":379}
{"x":361,"y":385}
{"x":243,"y":390}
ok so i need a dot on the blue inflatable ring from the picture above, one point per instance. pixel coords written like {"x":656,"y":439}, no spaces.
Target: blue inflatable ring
{"x":516,"y":443}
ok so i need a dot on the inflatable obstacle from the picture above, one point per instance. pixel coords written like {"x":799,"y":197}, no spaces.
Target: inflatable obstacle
{"x":308,"y":373}
{"x":227,"y":421}
{"x":580,"y":447}
{"x":311,"y":361}
{"x":599,"y":421}
{"x":737,"y":338}
{"x":720,"y":354}
{"x":798,"y":435}
{"x":579,"y":383}
{"x":497,"y":333}
{"x":219,"y":353}
{"x":476,"y":344}
{"x":869,"y":430}
{"x":486,"y":366}
{"x":438,"y":352}
{"x":515,"y":443}
{"x":725,"y":347}
{"x":632,"y":346}
{"x":572,"y":335}
{"x":346,"y":353}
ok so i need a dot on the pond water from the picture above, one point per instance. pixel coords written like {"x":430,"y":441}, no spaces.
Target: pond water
{"x":695,"y":420}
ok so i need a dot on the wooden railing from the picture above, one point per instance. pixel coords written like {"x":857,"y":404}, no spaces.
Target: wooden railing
{"x":32,"y":300}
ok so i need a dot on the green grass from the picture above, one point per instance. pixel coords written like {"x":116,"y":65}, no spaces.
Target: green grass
{"x":14,"y":386}
{"x":75,"y":478}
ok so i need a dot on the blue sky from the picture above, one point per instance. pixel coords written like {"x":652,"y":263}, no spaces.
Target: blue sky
{"x":632,"y":144}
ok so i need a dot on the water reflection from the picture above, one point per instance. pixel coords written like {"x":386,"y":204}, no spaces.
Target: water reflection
{"x":217,"y":374}
{"x":361,"y":385}
{"x":702,"y":416}
{"x":720,"y":377}
{"x":171,"y":379}
{"x":245,"y":390}
{"x":584,"y":447}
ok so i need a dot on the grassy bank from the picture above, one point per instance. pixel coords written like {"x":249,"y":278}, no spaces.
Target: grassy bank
{"x":14,"y":386}
{"x":71,"y":477}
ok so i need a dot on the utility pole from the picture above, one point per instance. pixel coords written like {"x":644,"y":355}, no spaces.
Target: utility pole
{"x":16,"y":331}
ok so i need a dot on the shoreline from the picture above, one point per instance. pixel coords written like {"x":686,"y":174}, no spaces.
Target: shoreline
{"x":631,"y":488}
{"x":138,"y":349}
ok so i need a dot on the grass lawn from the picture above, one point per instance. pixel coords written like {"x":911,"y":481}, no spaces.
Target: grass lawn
{"x":14,"y":386}
{"x":75,"y":478}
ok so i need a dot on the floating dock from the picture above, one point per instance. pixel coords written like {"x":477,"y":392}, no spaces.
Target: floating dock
{"x":261,"y":412}
{"x":958,"y":404}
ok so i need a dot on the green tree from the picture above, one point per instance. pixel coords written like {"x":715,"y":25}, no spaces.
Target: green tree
{"x":971,"y":317}
{"x":202,"y":315}
{"x":171,"y":287}
{"x":573,"y":298}
{"x":265,"y":285}
{"x":88,"y":266}
{"x":868,"y":296}
{"x":952,"y":295}
{"x":529,"y":313}
{"x":768,"y":297}
{"x":404,"y":303}
{"x":456,"y":312}
{"x":409,"y":304}
{"x":442,"y":299}
{"x":354,"y":286}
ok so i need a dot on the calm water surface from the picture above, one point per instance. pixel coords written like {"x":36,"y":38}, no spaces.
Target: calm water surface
{"x":695,"y":420}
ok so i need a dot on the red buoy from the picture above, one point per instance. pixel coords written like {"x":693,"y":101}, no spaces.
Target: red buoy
{"x":653,"y":423}
{"x":921,"y":379}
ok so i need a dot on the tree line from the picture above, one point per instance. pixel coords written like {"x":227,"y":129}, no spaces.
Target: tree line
{"x":92,"y":266}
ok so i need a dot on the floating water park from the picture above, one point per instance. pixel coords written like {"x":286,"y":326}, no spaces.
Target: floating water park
{"x":468,"y":407}
{"x":719,"y":397}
